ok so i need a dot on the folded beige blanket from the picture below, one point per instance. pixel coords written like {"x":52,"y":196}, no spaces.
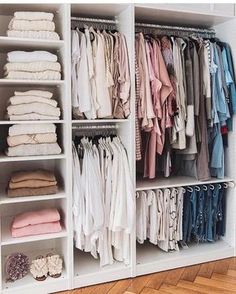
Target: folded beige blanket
{"x":31,"y":25}
{"x":30,"y":56}
{"x":33,"y":15}
{"x":36,"y":66}
{"x":32,"y":116}
{"x":33,"y":35}
{"x":24,"y":75}
{"x":17,"y":100}
{"x":34,"y":150}
{"x":25,"y":129}
{"x":38,"y":93}
{"x":31,"y":139}
{"x":32,"y":191}
{"x":39,"y":174}
{"x":35,"y":107}
{"x":32,"y":184}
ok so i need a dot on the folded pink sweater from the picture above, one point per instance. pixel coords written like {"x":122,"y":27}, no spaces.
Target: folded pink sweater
{"x":46,"y":228}
{"x":36,"y":217}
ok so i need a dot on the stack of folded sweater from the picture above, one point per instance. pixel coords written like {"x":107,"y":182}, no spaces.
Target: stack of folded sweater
{"x":35,"y":25}
{"x":32,"y":183}
{"x":34,"y":65}
{"x":32,"y":139}
{"x":33,"y":105}
{"x":31,"y":223}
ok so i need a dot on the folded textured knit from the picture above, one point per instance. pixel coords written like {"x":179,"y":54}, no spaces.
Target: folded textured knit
{"x":38,"y":93}
{"x":43,"y":75}
{"x":32,"y":150}
{"x":35,"y":107}
{"x":24,"y":56}
{"x":34,"y":217}
{"x":31,"y":25}
{"x":33,"y":35}
{"x":33,"y":15}
{"x":16,"y":100}
{"x":36,"y":66}
{"x":39,"y":174}
{"x":32,"y":184}
{"x":32,"y":116}
{"x":25,"y":129}
{"x":31,"y":139}
{"x":23,"y":192}
{"x":38,"y":229}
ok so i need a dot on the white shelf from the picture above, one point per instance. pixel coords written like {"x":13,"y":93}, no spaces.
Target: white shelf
{"x":31,"y":82}
{"x":7,"y":239}
{"x":5,"y":158}
{"x":87,"y":270}
{"x":28,"y":283}
{"x":6,"y":200}
{"x":179,"y":181}
{"x":98,"y":121}
{"x":18,"y":122}
{"x":151,"y":259}
{"x":27,"y":43}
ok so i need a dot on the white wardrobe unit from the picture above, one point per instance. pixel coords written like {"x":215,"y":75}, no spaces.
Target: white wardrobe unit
{"x":81,"y":269}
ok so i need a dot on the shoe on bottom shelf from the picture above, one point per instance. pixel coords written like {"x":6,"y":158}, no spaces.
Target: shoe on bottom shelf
{"x":54,"y":263}
{"x":39,"y":268}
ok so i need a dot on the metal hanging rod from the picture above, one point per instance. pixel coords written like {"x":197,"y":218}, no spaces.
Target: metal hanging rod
{"x":101,"y":127}
{"x":96,"y":20}
{"x":176,"y":28}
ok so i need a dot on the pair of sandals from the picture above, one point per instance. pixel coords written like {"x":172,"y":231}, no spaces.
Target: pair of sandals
{"x":50,"y":265}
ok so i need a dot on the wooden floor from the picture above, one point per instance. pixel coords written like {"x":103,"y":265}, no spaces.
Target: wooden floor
{"x":218,"y":277}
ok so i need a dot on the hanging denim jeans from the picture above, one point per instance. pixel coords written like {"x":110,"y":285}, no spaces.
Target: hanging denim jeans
{"x":209,"y":216}
{"x":199,"y":227}
{"x":220,"y":228}
{"x":187,"y":217}
{"x":215,"y":197}
{"x":193,"y":199}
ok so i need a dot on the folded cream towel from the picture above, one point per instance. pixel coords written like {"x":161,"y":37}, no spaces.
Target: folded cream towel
{"x":35,"y":107}
{"x":38,"y":174}
{"x":25,"y":56}
{"x":33,"y":15}
{"x":34,"y":150}
{"x":33,"y":35}
{"x":31,"y":25}
{"x":31,"y":139}
{"x":39,"y":93}
{"x":32,"y":116}
{"x":32,"y":184}
{"x":43,"y":75}
{"x":16,"y":100}
{"x":35,"y":66}
{"x":25,"y":129}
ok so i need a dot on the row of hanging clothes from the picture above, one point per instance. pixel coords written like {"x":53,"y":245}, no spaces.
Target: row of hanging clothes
{"x":185,"y":100}
{"x":103,"y":195}
{"x":174,"y":218}
{"x":100,"y":72}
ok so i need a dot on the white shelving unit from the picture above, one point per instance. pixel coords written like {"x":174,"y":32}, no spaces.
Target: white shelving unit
{"x":81,"y":269}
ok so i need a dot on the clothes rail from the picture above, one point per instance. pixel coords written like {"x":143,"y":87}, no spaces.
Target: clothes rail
{"x":95,"y":127}
{"x":96,"y":20}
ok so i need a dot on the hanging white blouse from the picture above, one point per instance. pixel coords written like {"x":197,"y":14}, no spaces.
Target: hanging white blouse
{"x":153,"y":219}
{"x":75,"y":56}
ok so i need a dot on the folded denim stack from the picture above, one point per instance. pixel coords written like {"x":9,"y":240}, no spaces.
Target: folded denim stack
{"x":35,"y":25}
{"x":34,"y":65}
{"x":33,"y":105}
{"x":32,"y":139}
{"x":32,"y":183}
{"x":39,"y":222}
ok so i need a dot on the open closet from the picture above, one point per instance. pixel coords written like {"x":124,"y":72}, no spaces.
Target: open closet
{"x":99,"y":137}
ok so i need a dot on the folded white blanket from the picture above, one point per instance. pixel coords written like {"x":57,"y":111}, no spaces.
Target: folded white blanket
{"x":35,"y":107}
{"x":32,"y":139}
{"x":24,"y":129}
{"x":16,"y":100}
{"x":37,"y":149}
{"x":39,"y":93}
{"x":43,"y":75}
{"x":32,"y":116}
{"x":33,"y":15}
{"x":34,"y":35}
{"x":36,"y":66}
{"x":31,"y":25}
{"x":24,"y":56}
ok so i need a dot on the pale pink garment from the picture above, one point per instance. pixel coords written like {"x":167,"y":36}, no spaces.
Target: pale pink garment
{"x":161,"y":89}
{"x":38,"y":229}
{"x":36,"y":217}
